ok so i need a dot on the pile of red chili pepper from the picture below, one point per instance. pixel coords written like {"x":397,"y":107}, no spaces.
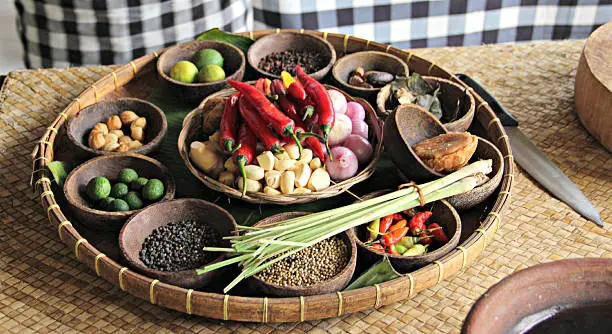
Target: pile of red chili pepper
{"x":270,"y":111}
{"x":399,"y":234}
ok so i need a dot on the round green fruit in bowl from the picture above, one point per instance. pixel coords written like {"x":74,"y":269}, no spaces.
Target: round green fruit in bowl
{"x":119,"y":190}
{"x":184,"y":71}
{"x":133,"y":200}
{"x":153,"y":190}
{"x":127,"y":175}
{"x":208,"y":57}
{"x":119,"y":205}
{"x":210,"y":73}
{"x":98,"y":188}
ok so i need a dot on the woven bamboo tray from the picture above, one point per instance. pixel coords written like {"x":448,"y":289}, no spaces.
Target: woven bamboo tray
{"x":253,"y":309}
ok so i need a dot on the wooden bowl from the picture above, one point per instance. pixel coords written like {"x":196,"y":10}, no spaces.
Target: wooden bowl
{"x":406,"y":126}
{"x":233,"y":65}
{"x":336,"y":283}
{"x":450,"y":92}
{"x":79,"y":126}
{"x":369,"y":60}
{"x":142,"y":224}
{"x":193,"y":129}
{"x":443,"y":213}
{"x":290,"y":40}
{"x":484,"y":150}
{"x":527,"y":297}
{"x":110,"y":166}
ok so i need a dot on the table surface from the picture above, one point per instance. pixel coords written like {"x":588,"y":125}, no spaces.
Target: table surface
{"x":43,"y":288}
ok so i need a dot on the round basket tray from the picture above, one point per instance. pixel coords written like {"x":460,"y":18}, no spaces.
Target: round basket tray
{"x":256,"y":309}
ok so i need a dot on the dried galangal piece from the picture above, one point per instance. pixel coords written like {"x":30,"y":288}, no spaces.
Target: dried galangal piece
{"x":447,"y":152}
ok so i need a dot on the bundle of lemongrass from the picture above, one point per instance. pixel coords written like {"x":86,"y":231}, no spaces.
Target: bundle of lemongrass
{"x":259,"y":247}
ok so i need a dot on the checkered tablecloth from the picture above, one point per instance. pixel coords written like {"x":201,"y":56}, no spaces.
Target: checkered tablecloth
{"x":79,"y":32}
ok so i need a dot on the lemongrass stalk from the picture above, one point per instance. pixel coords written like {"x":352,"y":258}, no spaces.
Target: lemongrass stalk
{"x":222,"y":263}
{"x":221,"y":249}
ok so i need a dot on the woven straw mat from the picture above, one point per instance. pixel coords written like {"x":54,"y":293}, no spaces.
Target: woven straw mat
{"x":43,"y":288}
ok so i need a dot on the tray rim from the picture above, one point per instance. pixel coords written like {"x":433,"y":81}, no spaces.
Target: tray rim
{"x":269,"y":309}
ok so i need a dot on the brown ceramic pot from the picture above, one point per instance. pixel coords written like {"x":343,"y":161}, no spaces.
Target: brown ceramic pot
{"x":408,"y":125}
{"x":525,"y":298}
{"x":142,"y":224}
{"x":369,"y":60}
{"x":79,"y":126}
{"x":233,"y":65}
{"x":291,"y":40}
{"x":443,"y":214}
{"x":110,"y":166}
{"x":336,"y":283}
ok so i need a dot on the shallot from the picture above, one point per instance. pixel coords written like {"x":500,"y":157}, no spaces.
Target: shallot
{"x":338,"y":101}
{"x":360,"y":146}
{"x":360,"y":128}
{"x":355,"y":110}
{"x":342,"y":129}
{"x":344,"y":165}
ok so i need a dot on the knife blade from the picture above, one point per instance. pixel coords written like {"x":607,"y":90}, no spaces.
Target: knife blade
{"x":534,"y":161}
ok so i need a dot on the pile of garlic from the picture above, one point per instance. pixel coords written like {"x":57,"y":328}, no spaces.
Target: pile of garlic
{"x":268,"y":173}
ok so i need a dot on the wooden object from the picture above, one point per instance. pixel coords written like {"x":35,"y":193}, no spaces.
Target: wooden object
{"x":240,"y":308}
{"x":593,"y":86}
{"x":142,"y":224}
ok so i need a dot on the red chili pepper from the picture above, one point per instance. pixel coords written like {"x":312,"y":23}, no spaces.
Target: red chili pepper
{"x":294,"y":88}
{"x":378,"y":247}
{"x":400,"y":224}
{"x":283,"y":102}
{"x":385,"y":223}
{"x":282,"y":124}
{"x":319,"y":95}
{"x":244,"y":155}
{"x":228,"y":124}
{"x":417,"y":223}
{"x":425,"y":239}
{"x":438,"y":234}
{"x":392,"y":238}
{"x":391,"y":250}
{"x":397,"y":216}
{"x":258,"y":126}
{"x":306,"y":108}
{"x":259,"y":84}
{"x":267,"y":86}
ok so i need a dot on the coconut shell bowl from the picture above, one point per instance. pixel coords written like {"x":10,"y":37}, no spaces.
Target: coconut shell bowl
{"x":79,"y":126}
{"x":369,"y":61}
{"x":110,"y":166}
{"x":142,"y":224}
{"x":336,"y":283}
{"x":450,"y":94}
{"x":291,"y":41}
{"x":443,"y":213}
{"x":233,"y":65}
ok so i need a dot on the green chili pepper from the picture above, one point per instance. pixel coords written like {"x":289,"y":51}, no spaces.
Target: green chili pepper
{"x":417,"y":249}
{"x":373,"y":229}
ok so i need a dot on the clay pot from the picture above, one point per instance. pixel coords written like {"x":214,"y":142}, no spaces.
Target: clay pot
{"x":336,"y":283}
{"x":233,"y":65}
{"x":142,"y":224}
{"x":79,"y":126}
{"x":291,"y":40}
{"x":110,"y":166}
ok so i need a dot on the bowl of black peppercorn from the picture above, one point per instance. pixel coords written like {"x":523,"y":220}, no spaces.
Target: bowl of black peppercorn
{"x":274,"y":53}
{"x":166,"y":240}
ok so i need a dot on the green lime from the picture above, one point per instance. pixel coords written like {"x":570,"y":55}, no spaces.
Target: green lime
{"x":98,"y":188}
{"x":127,"y":175}
{"x":133,"y":200}
{"x":105,"y":203}
{"x":184,"y":71}
{"x":119,"y":190}
{"x":210,"y":73}
{"x":207,"y":57}
{"x":153,"y":190}
{"x":119,"y":205}
{"x":139,"y":183}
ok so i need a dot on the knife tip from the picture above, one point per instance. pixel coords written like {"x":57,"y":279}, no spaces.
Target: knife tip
{"x":598,"y":221}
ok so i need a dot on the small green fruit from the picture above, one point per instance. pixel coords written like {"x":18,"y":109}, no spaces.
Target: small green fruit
{"x":105,"y":203}
{"x":139,"y":183}
{"x":210,"y":73}
{"x":119,"y":205}
{"x":133,"y":200}
{"x":153,"y":190}
{"x":119,"y":190}
{"x":207,"y":57}
{"x":184,"y":71}
{"x":98,"y":188}
{"x":127,"y":175}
